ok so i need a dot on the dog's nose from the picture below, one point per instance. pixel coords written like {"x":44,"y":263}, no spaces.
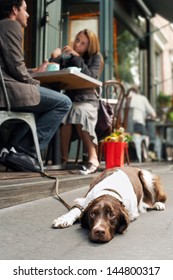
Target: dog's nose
{"x":99,"y":232}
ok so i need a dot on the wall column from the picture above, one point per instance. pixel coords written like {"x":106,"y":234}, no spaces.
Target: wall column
{"x":106,"y":37}
{"x":150,"y":63}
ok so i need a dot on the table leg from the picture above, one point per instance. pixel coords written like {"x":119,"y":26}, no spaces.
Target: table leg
{"x":55,"y":153}
{"x":56,"y":149}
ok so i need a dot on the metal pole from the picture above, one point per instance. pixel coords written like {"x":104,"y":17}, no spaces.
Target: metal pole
{"x":44,"y":31}
{"x":45,"y":20}
{"x":106,"y":37}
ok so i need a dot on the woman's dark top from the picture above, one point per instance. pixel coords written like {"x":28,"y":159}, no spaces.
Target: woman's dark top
{"x":89,"y":66}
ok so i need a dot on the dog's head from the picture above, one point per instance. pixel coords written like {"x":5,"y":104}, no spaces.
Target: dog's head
{"x":104,"y":217}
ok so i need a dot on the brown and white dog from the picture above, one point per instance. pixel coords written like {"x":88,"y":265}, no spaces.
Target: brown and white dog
{"x":115,"y":198}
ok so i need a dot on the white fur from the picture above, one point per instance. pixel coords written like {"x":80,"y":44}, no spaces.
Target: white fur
{"x":159,"y":206}
{"x":124,"y":188}
{"x":142,"y":207}
{"x":148,"y":177}
{"x":67,"y":219}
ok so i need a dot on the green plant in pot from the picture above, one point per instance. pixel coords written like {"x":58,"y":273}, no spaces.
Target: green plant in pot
{"x":164,"y":100}
{"x":164,"y":104}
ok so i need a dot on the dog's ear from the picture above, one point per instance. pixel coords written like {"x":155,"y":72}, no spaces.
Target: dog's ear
{"x":84,"y":219}
{"x":123,"y":221}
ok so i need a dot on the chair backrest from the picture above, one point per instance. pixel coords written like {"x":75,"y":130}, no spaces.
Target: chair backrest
{"x":116,"y":91}
{"x":126,"y":118}
{"x":5,"y":91}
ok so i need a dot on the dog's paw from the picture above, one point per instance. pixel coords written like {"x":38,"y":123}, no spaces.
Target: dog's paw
{"x":159,"y":206}
{"x":62,"y":222}
{"x":68,"y":219}
{"x":143,"y":207}
{"x":133,"y":216}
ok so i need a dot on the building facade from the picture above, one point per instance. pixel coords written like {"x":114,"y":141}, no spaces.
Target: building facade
{"x":136,"y":46}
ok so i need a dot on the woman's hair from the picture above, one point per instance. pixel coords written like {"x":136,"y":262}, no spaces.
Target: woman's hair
{"x":94,"y":44}
{"x":6,"y":7}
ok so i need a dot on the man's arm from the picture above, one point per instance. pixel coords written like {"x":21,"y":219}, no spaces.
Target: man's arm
{"x":13,"y":53}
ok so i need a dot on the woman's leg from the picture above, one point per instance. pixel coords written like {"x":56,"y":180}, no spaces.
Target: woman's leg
{"x":65,"y":134}
{"x":89,"y":145}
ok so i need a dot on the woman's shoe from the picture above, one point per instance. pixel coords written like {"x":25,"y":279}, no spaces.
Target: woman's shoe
{"x":89,"y":168}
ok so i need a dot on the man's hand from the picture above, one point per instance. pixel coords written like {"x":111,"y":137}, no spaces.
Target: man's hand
{"x":42,"y":67}
{"x":57,"y":52}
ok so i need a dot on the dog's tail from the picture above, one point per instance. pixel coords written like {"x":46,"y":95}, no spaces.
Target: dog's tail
{"x":152,"y":187}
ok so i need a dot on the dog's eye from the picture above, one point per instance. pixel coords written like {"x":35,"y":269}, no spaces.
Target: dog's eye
{"x":92,"y":215}
{"x":111,"y":215}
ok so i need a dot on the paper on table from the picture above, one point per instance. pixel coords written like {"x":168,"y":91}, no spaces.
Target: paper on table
{"x":74,"y":68}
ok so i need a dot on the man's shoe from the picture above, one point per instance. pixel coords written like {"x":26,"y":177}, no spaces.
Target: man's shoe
{"x":22,"y":162}
{"x":3,"y":155}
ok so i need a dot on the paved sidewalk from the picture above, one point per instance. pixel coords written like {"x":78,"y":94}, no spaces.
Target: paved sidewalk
{"x":26,"y":232}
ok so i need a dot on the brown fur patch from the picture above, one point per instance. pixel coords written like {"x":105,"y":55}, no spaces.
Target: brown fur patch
{"x":160,"y":195}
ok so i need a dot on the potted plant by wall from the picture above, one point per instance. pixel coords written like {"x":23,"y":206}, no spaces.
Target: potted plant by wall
{"x":164,"y":103}
{"x":170,"y":112}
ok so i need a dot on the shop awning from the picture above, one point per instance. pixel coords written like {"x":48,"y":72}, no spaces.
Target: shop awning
{"x":162,"y":7}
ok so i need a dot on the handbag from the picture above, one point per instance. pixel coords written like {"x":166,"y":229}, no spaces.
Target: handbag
{"x":105,"y":119}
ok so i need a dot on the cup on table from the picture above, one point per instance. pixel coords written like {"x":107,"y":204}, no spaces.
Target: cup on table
{"x":53,"y":67}
{"x":66,"y":56}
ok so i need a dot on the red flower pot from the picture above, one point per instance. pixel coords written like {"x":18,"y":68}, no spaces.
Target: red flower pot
{"x":114,"y":154}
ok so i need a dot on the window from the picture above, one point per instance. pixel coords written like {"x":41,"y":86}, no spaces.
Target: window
{"x":158,"y":72}
{"x":82,"y":22}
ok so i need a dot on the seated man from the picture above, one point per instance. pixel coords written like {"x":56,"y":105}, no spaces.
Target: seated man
{"x":25,"y":93}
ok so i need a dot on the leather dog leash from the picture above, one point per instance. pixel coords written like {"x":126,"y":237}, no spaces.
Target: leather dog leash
{"x":60,"y":198}
{"x":56,"y":189}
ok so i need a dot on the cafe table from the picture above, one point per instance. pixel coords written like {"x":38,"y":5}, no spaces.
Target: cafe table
{"x":66,"y":79}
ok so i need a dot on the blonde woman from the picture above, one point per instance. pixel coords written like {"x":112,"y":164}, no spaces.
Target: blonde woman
{"x":82,"y":118}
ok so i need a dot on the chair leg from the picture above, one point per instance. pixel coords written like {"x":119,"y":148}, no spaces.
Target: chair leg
{"x":100,"y":151}
{"x":37,"y":147}
{"x":78,"y":150}
{"x":144,"y":151}
{"x":137,"y":139}
{"x":48,"y":154}
{"x":127,"y":154}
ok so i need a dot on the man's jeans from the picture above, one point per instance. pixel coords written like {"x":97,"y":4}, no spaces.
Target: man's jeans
{"x":48,"y":114}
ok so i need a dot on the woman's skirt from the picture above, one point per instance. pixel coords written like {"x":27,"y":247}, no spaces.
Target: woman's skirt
{"x":84,"y":114}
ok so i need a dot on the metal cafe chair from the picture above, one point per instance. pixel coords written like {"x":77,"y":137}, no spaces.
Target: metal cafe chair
{"x":116,"y":91}
{"x":29,"y":118}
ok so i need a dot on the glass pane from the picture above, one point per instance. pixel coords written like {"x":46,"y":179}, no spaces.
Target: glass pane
{"x":128,"y":57}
